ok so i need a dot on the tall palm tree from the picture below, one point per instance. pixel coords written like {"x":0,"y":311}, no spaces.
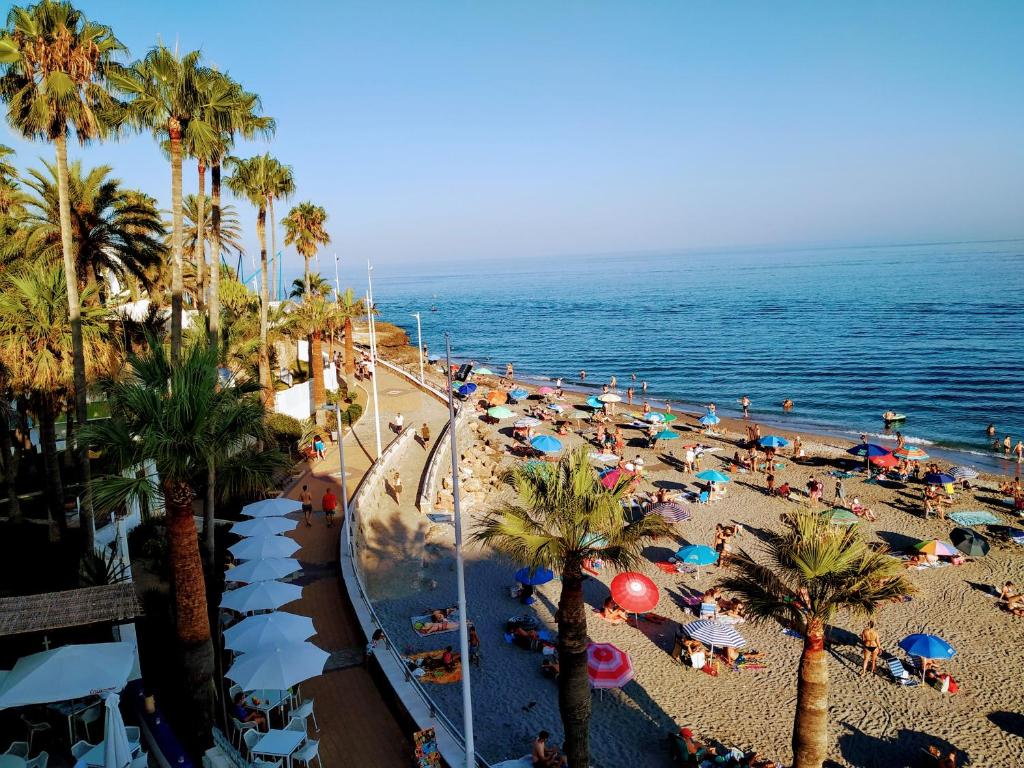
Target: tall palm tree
{"x":178,"y":415}
{"x":311,"y":319}
{"x":350,"y":308}
{"x":260,"y":179}
{"x":54,"y":82}
{"x":162,"y":95}
{"x":230,"y":240}
{"x":115,"y":230}
{"x":805,"y":576}
{"x":563,"y":516}
{"x":283,"y":187}
{"x":305,"y":228}
{"x":317,"y":286}
{"x":37,"y":354}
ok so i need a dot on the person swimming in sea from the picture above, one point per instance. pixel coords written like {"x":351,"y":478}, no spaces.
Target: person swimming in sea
{"x":787,"y":404}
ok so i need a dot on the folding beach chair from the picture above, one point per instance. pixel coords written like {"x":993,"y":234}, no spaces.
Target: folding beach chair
{"x":899,"y":672}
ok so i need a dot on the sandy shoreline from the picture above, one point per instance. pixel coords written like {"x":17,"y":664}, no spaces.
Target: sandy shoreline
{"x":874,"y":721}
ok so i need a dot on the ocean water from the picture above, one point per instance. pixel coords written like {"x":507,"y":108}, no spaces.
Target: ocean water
{"x":932,"y":331}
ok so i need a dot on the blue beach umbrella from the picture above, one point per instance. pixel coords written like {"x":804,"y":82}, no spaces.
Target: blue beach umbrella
{"x":697,"y":554}
{"x":939,"y":478}
{"x":466,"y":389}
{"x":667,"y":434}
{"x":709,"y":419}
{"x":654,"y":417}
{"x":519,"y":394}
{"x":534,"y":578}
{"x":546,"y":444}
{"x":774,"y":441}
{"x":713,"y":475}
{"x":593,"y":402}
{"x":868,"y":449}
{"x":927,"y":646}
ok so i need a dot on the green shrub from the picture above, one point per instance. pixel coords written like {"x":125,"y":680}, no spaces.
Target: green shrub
{"x":284,"y":428}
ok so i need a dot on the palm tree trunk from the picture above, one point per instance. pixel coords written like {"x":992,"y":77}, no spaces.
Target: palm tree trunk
{"x":178,"y":225}
{"x":209,"y":513}
{"x":305,"y":273}
{"x":51,"y":464}
{"x":69,"y":436}
{"x":264,"y":359}
{"x":349,"y":353}
{"x":810,"y":727}
{"x":9,"y":460}
{"x":273,"y":246}
{"x":200,"y":248}
{"x":316,"y":353}
{"x":77,"y":344}
{"x":573,"y":681}
{"x":192,"y":619}
{"x":214,"y":311}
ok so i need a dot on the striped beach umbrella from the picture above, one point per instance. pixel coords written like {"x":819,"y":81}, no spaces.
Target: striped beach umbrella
{"x":714,"y":633}
{"x":961,"y":472}
{"x":526,"y":422}
{"x":608,"y":666}
{"x":634,"y":592}
{"x":271,"y":508}
{"x":262,"y":547}
{"x":671,"y":512}
{"x":936,"y":547}
{"x":885,"y":461}
{"x":911,"y":453}
{"x":939,"y":478}
{"x":264,"y":526}
{"x":262,"y":570}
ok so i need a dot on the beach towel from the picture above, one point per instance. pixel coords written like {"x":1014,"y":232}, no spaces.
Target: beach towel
{"x":424,"y":626}
{"x":842,"y":475}
{"x":973,"y":518}
{"x":439,"y":674}
{"x":726,"y":619}
{"x":674,"y":568}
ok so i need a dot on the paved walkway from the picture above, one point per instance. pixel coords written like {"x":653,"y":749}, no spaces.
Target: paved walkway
{"x":357,"y":727}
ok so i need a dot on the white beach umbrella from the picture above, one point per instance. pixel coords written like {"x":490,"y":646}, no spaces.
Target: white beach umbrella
{"x":264,"y":526}
{"x":263,"y":570}
{"x":610,"y":398}
{"x":263,"y":547}
{"x":261,"y":596}
{"x":271,"y":508}
{"x":117,"y":751}
{"x":68,"y":672}
{"x":267,"y":630}
{"x":278,"y":668}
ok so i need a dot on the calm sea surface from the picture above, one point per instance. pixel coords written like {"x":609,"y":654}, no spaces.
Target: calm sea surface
{"x":932,"y":331}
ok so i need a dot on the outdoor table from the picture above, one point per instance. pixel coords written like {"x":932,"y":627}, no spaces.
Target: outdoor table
{"x":11,"y":761}
{"x":269,"y":700}
{"x":71,"y":708}
{"x":275,"y":743}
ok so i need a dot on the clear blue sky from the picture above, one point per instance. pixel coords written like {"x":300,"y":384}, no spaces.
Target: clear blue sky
{"x":452,"y":130}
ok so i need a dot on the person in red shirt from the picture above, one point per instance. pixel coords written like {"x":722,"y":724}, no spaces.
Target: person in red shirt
{"x":330,"y":504}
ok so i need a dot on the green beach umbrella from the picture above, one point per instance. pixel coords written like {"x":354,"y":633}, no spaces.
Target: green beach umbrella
{"x":500,"y":412}
{"x":483,"y":372}
{"x":668,"y":418}
{"x":840,"y":517}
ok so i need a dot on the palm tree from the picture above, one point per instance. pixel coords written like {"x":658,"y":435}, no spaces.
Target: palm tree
{"x":304,"y":227}
{"x":230,"y":241}
{"x":115,"y":230}
{"x":350,"y":307}
{"x":563,"y":516}
{"x":317,"y":286}
{"x":311,"y":319}
{"x":163,"y":95}
{"x":812,"y":571}
{"x":178,"y":415}
{"x":55,"y":63}
{"x":37,"y":354}
{"x":260,"y":179}
{"x":9,"y":194}
{"x":283,"y":187}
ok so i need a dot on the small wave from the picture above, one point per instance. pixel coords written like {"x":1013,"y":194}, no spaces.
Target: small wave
{"x":891,"y":438}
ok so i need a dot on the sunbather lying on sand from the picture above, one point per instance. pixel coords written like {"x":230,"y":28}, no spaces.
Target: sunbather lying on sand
{"x":612,"y":613}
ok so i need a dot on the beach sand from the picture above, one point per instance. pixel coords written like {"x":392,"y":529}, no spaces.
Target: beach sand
{"x":874,"y":722}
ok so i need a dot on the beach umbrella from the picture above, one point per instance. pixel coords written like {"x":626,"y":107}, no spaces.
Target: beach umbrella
{"x":268,"y":629}
{"x":271,"y":508}
{"x":261,"y":596}
{"x":117,"y":751}
{"x":697,"y":554}
{"x":713,"y":475}
{"x":483,"y":372}
{"x":667,"y":434}
{"x":279,"y":667}
{"x":608,"y":666}
{"x":68,"y":672}
{"x":262,"y":547}
{"x":714,"y":633}
{"x":911,"y":453}
{"x":709,"y":419}
{"x":885,"y":461}
{"x":773,"y":441}
{"x":579,"y":415}
{"x":668,"y":418}
{"x":534,"y":577}
{"x":610,"y":398}
{"x":963,"y":473}
{"x":604,"y":457}
{"x":671,"y":512}
{"x":519,"y":394}
{"x":936,"y":547}
{"x":593,"y":402}
{"x":465,"y":389}
{"x":546,"y":391}
{"x":496,"y":397}
{"x":500,"y":412}
{"x":526,"y":422}
{"x":969,"y":542}
{"x":546,"y":444}
{"x":868,"y":449}
{"x":556,"y":407}
{"x":634,"y":592}
{"x":610,"y":477}
{"x":927,"y":646}
{"x":939,"y":478}
{"x":840,"y":516}
{"x":654,"y":417}
{"x":264,"y":526}
{"x":262,"y":570}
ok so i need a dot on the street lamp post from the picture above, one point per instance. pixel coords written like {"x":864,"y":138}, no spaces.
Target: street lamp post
{"x":373,"y":375}
{"x":419,"y":343}
{"x":341,"y":460}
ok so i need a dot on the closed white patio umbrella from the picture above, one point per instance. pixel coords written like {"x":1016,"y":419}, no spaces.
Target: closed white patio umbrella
{"x":261,"y":596}
{"x":264,"y":526}
{"x":278,"y":668}
{"x":263,"y":547}
{"x":117,"y":751}
{"x":268,"y":630}
{"x":263,"y":570}
{"x":271,"y":508}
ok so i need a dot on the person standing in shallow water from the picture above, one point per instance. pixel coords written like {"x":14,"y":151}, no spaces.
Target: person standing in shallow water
{"x":1007,"y":445}
{"x":745,"y":404}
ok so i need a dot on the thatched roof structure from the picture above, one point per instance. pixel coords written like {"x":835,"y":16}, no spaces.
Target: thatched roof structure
{"x":111,"y":603}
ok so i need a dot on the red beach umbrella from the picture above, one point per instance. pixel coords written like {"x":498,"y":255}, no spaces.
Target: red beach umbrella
{"x":545,"y":391}
{"x":886,"y":461}
{"x":634,"y":592}
{"x":608,"y":666}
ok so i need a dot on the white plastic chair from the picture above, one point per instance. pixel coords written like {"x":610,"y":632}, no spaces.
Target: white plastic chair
{"x":250,"y":737}
{"x":134,"y":738}
{"x":233,"y":691}
{"x":88,"y":717}
{"x":34,"y":727}
{"x":240,"y":728}
{"x":18,"y":749}
{"x":309,"y":751}
{"x":305,"y":711}
{"x":80,"y":748}
{"x":39,"y":761}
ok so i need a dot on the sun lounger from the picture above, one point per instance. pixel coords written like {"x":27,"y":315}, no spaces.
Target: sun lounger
{"x":899,"y":672}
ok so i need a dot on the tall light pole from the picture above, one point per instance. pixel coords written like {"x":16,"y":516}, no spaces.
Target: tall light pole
{"x":419,"y":343}
{"x":344,"y":486}
{"x":373,"y":354}
{"x":460,"y":574}
{"x":337,"y":279}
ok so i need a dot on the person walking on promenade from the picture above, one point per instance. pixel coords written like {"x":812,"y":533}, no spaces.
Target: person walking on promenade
{"x":306,"y":499}
{"x":329,"y":502}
